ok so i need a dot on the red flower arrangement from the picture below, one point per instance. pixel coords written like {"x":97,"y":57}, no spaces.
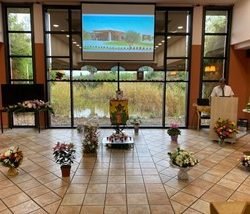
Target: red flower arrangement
{"x":225,"y":129}
{"x":12,"y":157}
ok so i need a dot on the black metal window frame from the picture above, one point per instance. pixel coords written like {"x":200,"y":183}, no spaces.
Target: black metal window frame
{"x":6,"y":40}
{"x":118,"y":81}
{"x":227,"y":46}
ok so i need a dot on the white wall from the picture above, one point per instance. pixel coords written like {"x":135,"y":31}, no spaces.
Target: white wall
{"x":240,"y":25}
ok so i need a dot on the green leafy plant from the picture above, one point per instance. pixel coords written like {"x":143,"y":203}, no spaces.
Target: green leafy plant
{"x":64,"y":153}
{"x":174,"y":130}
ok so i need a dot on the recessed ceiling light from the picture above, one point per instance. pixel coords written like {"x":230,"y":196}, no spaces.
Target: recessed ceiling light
{"x":180,"y":27}
{"x":162,"y":41}
{"x":74,"y":42}
{"x":67,"y":36}
{"x":156,"y":46}
{"x":159,"y":43}
{"x":169,"y":37}
{"x":55,"y":25}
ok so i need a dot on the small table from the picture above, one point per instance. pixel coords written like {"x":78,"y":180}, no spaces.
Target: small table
{"x":129,"y":143}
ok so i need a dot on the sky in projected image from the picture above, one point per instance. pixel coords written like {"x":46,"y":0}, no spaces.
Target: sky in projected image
{"x":118,"y":33}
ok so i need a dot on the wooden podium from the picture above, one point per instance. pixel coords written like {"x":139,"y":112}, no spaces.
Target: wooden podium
{"x":224,"y":108}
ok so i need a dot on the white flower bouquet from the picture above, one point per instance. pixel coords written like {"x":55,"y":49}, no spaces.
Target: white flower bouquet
{"x":182,"y":158}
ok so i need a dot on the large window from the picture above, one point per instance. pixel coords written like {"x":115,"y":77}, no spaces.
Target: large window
{"x":19,"y":51}
{"x":80,"y":90}
{"x":215,"y":54}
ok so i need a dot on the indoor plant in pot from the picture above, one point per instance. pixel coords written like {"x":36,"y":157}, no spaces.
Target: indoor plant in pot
{"x":64,"y":154}
{"x":173,"y":132}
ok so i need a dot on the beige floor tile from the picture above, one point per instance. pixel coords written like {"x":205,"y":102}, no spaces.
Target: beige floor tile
{"x":25,"y":207}
{"x":73,"y":199}
{"x":11,"y":190}
{"x":39,"y":211}
{"x":115,"y":179}
{"x":134,"y":179}
{"x":46,"y":178}
{"x":184,"y":198}
{"x":151,"y":179}
{"x":138,"y":209}
{"x":117,"y":172}
{"x":201,"y":206}
{"x":137,"y":198}
{"x":194,"y":190}
{"x":154,"y":188}
{"x":210,"y":178}
{"x":69,"y":209}
{"x":92,"y":210}
{"x":135,"y":188}
{"x":212,"y":197}
{"x":94,"y":199}
{"x":116,"y":188}
{"x":29,"y":184}
{"x":161,"y":209}
{"x":115,"y":210}
{"x":133,"y":172}
{"x":81,"y":179}
{"x":52,"y":208}
{"x":240,"y":196}
{"x":158,"y":198}
{"x":47,"y":198}
{"x":6,"y":211}
{"x":115,"y":199}
{"x":2,"y":206}
{"x":229,"y":184}
{"x":170,"y":191}
{"x":77,"y":188}
{"x":221,"y":190}
{"x":177,"y":207}
{"x":37,"y":191}
{"x":191,"y":211}
{"x":16,"y":199}
{"x":97,"y":188}
{"x":98,"y":179}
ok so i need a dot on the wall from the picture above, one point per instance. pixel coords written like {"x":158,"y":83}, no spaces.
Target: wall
{"x":239,"y":79}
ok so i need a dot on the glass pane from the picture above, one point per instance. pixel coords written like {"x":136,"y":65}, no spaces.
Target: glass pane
{"x":128,"y":75}
{"x":59,"y":74}
{"x":91,"y":99}
{"x":19,"y":19}
{"x":177,"y":69}
{"x":60,"y":101}
{"x":207,"y":88}
{"x":76,"y":20}
{"x":216,"y":21}
{"x":57,"y":20}
{"x":177,"y":46}
{"x":89,"y":72}
{"x":57,"y":44}
{"x":58,"y":63}
{"x":159,"y":52}
{"x":24,"y":119}
{"x":214,"y":46}
{"x":143,"y":100}
{"x":178,"y":21}
{"x":76,"y":52}
{"x":21,"y":68}
{"x":213,"y":69}
{"x":160,"y":21}
{"x":20,"y":44}
{"x":175,"y":105}
{"x":22,"y":82}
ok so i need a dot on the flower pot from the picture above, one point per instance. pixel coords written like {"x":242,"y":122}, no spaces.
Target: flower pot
{"x":65,"y":170}
{"x":12,"y":171}
{"x":174,"y":138}
{"x":182,"y":174}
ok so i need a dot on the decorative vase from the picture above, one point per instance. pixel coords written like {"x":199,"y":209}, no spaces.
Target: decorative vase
{"x":174,"y":138}
{"x":65,"y":170}
{"x":136,"y":129}
{"x":182,"y":174}
{"x":12,"y":171}
{"x":221,"y":141}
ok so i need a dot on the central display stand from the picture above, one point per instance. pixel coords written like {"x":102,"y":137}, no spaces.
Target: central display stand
{"x":118,"y":144}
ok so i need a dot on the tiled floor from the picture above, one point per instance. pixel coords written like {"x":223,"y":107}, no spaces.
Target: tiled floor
{"x":135,"y":181}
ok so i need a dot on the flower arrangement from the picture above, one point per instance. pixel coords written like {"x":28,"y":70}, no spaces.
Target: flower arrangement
{"x":64,"y":153}
{"x":174,"y":130}
{"x":31,"y":105}
{"x":12,"y":157}
{"x":90,"y":141}
{"x":118,"y":137}
{"x":135,"y":121}
{"x":245,"y":160}
{"x":182,"y":158}
{"x":225,"y":129}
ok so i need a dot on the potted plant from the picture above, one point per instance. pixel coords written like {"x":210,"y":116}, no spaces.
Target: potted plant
{"x":12,"y":158}
{"x":64,"y":154}
{"x":136,"y":123}
{"x":90,"y":141}
{"x":173,"y":132}
{"x":183,"y":160}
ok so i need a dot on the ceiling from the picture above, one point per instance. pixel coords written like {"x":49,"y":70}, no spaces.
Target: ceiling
{"x":161,"y":2}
